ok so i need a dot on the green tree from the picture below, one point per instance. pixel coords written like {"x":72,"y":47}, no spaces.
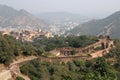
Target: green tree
{"x":19,"y":78}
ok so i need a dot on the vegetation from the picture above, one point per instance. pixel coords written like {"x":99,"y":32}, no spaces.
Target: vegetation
{"x":114,"y":57}
{"x":56,"y":42}
{"x":19,"y":78}
{"x":104,"y":68}
{"x":11,"y":48}
{"x":97,"y":69}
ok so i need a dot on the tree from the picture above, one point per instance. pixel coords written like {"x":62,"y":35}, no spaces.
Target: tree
{"x":19,"y":78}
{"x":103,"y":69}
{"x":66,"y":77}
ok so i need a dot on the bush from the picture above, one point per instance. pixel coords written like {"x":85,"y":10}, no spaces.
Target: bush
{"x":19,"y":78}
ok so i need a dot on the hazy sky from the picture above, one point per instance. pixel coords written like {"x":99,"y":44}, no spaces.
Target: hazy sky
{"x":95,"y":8}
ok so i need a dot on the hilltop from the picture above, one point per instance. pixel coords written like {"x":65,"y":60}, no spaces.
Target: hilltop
{"x":10,"y":17}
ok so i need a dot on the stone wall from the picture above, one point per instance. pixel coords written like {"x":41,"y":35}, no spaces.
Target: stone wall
{"x":66,"y":51}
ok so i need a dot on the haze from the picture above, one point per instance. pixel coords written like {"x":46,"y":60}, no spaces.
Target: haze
{"x":89,"y":8}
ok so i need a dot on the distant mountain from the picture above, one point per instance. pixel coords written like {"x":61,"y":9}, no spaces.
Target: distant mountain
{"x":59,"y":17}
{"x":107,"y":26}
{"x":15,"y":18}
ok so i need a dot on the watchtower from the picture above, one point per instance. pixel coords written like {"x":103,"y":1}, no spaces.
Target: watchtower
{"x":107,"y":42}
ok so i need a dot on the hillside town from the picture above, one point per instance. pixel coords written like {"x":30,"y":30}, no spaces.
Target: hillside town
{"x":25,"y":34}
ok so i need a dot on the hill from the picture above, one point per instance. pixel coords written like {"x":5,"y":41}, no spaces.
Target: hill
{"x":14,"y":18}
{"x":60,"y":17}
{"x":60,"y":22}
{"x":107,"y":26}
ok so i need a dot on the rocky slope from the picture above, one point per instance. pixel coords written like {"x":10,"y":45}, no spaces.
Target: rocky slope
{"x":107,"y":26}
{"x":14,"y":18}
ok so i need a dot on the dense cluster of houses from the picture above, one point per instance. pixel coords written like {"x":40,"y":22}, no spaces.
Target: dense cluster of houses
{"x":25,"y":35}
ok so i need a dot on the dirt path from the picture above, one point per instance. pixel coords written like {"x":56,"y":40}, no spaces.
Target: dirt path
{"x":26,"y":59}
{"x":23,"y":76}
{"x":5,"y":75}
{"x":15,"y":66}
